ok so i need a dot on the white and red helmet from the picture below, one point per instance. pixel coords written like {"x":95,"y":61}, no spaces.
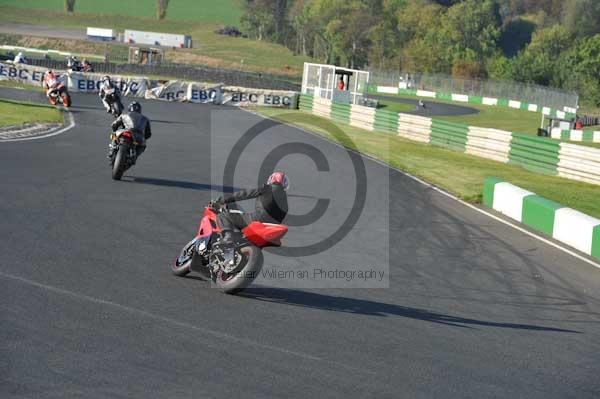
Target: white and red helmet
{"x":279,"y":178}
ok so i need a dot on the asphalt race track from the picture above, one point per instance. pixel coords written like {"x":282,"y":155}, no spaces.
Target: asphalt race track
{"x":89,"y":308}
{"x":432,"y":108}
{"x":43,"y":31}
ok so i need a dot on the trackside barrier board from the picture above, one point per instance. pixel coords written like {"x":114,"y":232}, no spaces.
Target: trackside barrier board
{"x":168,"y":91}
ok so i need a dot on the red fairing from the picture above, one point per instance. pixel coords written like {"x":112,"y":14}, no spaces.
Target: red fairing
{"x":206,"y":228}
{"x":265,"y":234}
{"x":127,"y":134}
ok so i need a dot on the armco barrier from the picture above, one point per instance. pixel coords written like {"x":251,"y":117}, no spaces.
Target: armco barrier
{"x":488,"y":143}
{"x":449,"y":135}
{"x":413,"y":127}
{"x":340,"y":113}
{"x":533,"y":153}
{"x":362,"y":117}
{"x":567,"y":225}
{"x":579,"y":163}
{"x":385,"y":120}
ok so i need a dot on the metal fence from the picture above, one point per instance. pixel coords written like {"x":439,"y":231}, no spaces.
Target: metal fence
{"x":529,"y":93}
{"x":186,"y":72}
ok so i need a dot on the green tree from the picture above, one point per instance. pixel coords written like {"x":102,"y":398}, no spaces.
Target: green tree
{"x":582,"y":16}
{"x":348,"y":32}
{"x":499,"y":67}
{"x":473,"y":29}
{"x":300,"y":20}
{"x":259,"y":19}
{"x":70,"y":5}
{"x":384,"y":36}
{"x":422,"y":45}
{"x":161,"y":8}
{"x":578,"y":69}
{"x":539,"y":62}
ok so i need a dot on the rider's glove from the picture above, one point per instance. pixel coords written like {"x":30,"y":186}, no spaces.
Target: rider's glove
{"x":216,"y":205}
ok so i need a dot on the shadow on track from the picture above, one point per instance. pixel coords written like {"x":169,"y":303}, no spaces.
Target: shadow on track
{"x":194,"y":186}
{"x":99,"y":107}
{"x":373,"y":308}
{"x":180,"y":184}
{"x":170,"y":122}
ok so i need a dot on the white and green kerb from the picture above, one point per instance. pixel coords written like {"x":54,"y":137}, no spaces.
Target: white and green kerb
{"x":587,"y":136}
{"x":567,"y":225}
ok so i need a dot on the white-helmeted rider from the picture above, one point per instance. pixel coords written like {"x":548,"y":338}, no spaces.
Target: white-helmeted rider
{"x":106,"y":85}
{"x":20,"y":58}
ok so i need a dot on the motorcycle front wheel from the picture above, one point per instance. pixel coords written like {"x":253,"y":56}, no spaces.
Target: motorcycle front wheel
{"x":120,"y":163}
{"x":66,"y":99}
{"x":182,"y":265}
{"x":249,"y":261}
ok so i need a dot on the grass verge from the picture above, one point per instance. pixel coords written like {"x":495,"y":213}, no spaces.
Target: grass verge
{"x":13,"y":113}
{"x":206,"y":11}
{"x":457,"y":173}
{"x":503,"y":118}
{"x":209,"y":48}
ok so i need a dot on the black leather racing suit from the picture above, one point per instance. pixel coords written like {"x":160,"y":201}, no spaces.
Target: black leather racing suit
{"x":136,"y":123}
{"x":271,"y":207}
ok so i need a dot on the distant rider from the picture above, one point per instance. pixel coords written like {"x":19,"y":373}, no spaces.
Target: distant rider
{"x":50,"y":81}
{"x":106,"y":85}
{"x":73,"y":64}
{"x":271,"y":207}
{"x":135,"y":122}
{"x":20,"y":59}
{"x":86,"y":66}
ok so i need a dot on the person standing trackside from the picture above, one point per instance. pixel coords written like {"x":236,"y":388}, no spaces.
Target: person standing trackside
{"x":341,"y":85}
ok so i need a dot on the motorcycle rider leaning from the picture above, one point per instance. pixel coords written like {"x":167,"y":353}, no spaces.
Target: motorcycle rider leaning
{"x":50,"y":79}
{"x":271,"y":207}
{"x":135,"y":122}
{"x":106,"y":84}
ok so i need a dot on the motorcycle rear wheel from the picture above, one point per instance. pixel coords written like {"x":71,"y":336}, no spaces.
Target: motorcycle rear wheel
{"x":120,"y":163}
{"x":247,"y":270}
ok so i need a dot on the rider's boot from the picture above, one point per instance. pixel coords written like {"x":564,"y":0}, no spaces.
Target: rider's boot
{"x":111,"y":149}
{"x":227,"y":246}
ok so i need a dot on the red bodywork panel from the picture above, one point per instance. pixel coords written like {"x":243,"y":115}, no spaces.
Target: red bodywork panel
{"x":206,"y":228}
{"x":127,"y":134}
{"x":265,"y":234}
{"x":260,"y":234}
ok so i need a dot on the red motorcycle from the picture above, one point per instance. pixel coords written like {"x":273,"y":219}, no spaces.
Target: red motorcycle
{"x":204,"y":254}
{"x":57,"y":92}
{"x":123,"y":155}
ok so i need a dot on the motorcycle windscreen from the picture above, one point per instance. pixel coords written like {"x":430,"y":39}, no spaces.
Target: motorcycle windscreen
{"x":265,"y":234}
